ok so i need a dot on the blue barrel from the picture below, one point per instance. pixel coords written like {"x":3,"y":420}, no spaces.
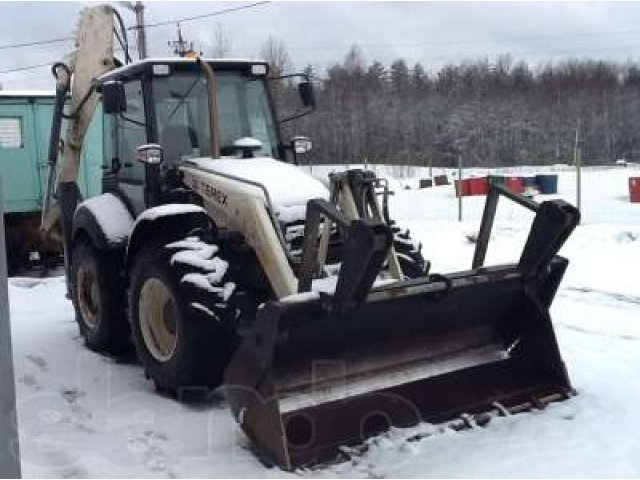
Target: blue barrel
{"x":547,"y":183}
{"x":530,"y":182}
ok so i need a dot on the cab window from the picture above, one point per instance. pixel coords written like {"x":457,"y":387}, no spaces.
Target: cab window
{"x":132,"y":132}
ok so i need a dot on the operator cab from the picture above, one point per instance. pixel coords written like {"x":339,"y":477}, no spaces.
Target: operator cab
{"x":165,"y":102}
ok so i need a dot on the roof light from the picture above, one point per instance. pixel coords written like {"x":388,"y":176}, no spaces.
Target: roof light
{"x":258,"y":69}
{"x":161,"y":69}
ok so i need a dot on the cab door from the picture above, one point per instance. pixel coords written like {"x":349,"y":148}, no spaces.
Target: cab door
{"x":18,"y":158}
{"x":131,"y":133}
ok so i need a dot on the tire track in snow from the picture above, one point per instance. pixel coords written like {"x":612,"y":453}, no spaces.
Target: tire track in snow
{"x":595,"y":294}
{"x":617,"y":336}
{"x":601,"y":298}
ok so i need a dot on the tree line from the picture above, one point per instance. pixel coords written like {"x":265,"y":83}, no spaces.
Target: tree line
{"x":492,"y":113}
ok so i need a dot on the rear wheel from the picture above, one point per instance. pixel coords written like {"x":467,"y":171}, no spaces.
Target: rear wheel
{"x":409,"y":253}
{"x":182,"y":318}
{"x":99,"y":298}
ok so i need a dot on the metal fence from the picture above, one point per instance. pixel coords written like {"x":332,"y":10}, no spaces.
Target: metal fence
{"x":602,"y":193}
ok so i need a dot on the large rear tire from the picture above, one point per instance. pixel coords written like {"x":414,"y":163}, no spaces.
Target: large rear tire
{"x":182,"y":318}
{"x":409,"y":253}
{"x":99,"y":299}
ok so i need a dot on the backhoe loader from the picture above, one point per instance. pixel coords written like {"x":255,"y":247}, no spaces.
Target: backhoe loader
{"x":226,"y":264}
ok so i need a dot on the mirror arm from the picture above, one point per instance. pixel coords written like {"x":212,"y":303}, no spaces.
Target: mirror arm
{"x":290,"y":75}
{"x":293,"y":117}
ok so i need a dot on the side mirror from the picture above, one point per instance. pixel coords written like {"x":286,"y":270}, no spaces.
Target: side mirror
{"x":113,"y":97}
{"x":306,"y":94}
{"x":150,"y":154}
{"x":301,"y":145}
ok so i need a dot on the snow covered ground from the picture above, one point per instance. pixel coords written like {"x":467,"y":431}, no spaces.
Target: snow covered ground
{"x":83,"y":415}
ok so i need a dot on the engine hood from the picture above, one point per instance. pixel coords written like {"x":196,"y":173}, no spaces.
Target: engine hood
{"x":289,"y":187}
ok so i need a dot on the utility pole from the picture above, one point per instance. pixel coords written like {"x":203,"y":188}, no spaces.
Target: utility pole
{"x":138,"y":8}
{"x":9,"y":453}
{"x":459,"y":187}
{"x":577,"y":161}
{"x":181,"y":47}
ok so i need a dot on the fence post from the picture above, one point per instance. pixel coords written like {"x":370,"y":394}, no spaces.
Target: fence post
{"x":577,"y":161}
{"x":459,"y":187}
{"x":9,"y":452}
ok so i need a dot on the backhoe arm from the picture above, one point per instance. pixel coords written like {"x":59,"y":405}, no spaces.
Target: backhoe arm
{"x":93,"y":57}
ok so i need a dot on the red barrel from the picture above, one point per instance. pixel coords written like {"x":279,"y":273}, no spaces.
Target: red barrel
{"x":634,"y":189}
{"x":514,"y":183}
{"x":463,"y":190}
{"x":478,"y":186}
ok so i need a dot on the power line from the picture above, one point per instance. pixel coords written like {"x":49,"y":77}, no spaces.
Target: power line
{"x":204,"y":15}
{"x":28,"y":67}
{"x":134,"y":27}
{"x":332,"y":47}
{"x":33,"y":44}
{"x":7,"y":70}
{"x":336,"y":47}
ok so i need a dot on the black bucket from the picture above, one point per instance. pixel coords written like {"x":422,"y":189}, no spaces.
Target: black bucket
{"x":306,"y":381}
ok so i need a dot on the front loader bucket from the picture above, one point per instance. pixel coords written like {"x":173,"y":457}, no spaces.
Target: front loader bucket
{"x":309,"y":378}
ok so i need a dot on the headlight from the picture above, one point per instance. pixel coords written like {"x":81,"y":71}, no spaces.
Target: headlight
{"x":151,"y":154}
{"x":258,"y":69}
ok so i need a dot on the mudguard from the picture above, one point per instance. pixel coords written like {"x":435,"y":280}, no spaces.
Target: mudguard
{"x":165,"y":222}
{"x":105,"y":219}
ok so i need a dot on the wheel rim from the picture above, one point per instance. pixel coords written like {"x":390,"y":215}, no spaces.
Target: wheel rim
{"x":88,"y":295}
{"x":157,"y":314}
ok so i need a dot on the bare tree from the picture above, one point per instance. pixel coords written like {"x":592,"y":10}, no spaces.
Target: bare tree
{"x":354,"y":60}
{"x":496,"y":113}
{"x":220,"y":44}
{"x":275,"y":53}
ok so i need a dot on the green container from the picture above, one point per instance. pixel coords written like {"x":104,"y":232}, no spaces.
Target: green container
{"x":25,"y":127}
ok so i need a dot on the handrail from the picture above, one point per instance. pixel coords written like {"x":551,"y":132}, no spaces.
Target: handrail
{"x":552,"y":225}
{"x":489,"y":214}
{"x":516,"y":197}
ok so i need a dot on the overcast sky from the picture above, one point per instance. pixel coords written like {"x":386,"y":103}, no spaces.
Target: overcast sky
{"x":320,"y":33}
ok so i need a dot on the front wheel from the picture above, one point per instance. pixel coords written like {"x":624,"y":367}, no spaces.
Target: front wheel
{"x":181,"y":315}
{"x":98,"y":296}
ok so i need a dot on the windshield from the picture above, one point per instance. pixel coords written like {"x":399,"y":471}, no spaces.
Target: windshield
{"x":182,"y":114}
